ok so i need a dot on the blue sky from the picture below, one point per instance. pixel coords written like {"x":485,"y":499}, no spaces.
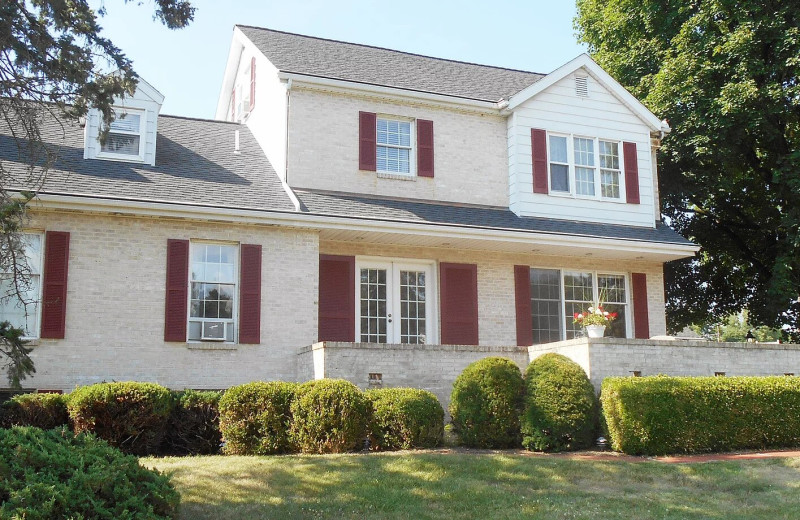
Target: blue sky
{"x":187,"y":65}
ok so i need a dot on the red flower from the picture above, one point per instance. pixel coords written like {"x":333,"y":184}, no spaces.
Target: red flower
{"x":575,"y":315}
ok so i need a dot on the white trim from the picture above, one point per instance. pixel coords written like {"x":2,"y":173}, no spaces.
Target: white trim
{"x":234,"y":320}
{"x":601,"y":76}
{"x":572,"y":169}
{"x":412,"y":148}
{"x":121,"y":112}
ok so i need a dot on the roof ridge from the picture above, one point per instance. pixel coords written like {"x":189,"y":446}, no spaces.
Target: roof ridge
{"x":391,"y":50}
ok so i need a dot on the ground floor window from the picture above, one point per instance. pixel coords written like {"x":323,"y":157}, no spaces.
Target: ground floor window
{"x":394,"y":302}
{"x":20,"y":286}
{"x":556,"y":295}
{"x":212,"y":289}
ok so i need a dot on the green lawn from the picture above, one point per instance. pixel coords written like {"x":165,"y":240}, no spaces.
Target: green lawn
{"x":479,"y":486}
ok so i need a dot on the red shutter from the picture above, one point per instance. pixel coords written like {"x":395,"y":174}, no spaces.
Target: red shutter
{"x":54,"y":284}
{"x":522,"y":294}
{"x":250,"y":294}
{"x":175,"y":313}
{"x":539,"y":158}
{"x":641,"y":319}
{"x":459,"y":293}
{"x":424,"y":148}
{"x":631,"y":172}
{"x":233,"y":104}
{"x":252,"y":83}
{"x":337,"y":299}
{"x":367,"y":122}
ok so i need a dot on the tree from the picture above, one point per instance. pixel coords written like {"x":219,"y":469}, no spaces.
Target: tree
{"x":53,"y":63}
{"x":735,"y":327}
{"x":725,"y":75}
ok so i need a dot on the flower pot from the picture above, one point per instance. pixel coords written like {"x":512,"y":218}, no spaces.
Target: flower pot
{"x":595,"y":331}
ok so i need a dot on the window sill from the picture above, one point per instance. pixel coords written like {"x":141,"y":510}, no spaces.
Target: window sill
{"x":211,"y":346}
{"x":397,"y":176}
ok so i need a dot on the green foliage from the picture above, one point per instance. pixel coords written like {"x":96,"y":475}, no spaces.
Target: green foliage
{"x":725,"y":75}
{"x":405,"y":418}
{"x":659,"y":415}
{"x":53,"y":474}
{"x":735,"y":328}
{"x":44,"y":411}
{"x":130,"y":416}
{"x":486,"y":402}
{"x":255,"y":418}
{"x":561,"y":409}
{"x":330,"y":416}
{"x":193,"y":425}
{"x":18,"y":364}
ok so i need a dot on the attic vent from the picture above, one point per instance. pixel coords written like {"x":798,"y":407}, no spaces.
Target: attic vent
{"x":581,"y":86}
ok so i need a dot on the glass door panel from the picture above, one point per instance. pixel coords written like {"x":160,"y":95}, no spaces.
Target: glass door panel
{"x":373,"y":302}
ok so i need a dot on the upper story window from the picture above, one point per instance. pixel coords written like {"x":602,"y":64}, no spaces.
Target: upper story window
{"x":585,"y":167}
{"x":124,"y":137}
{"x":20,"y":287}
{"x":243,"y":96}
{"x":212,"y":280}
{"x":394,"y":146}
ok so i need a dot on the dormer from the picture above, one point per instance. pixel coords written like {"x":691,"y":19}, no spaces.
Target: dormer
{"x":132,"y":135}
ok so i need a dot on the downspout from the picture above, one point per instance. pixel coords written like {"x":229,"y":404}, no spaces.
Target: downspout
{"x":286,"y":130}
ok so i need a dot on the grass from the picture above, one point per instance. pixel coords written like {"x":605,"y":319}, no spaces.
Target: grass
{"x":479,"y":485}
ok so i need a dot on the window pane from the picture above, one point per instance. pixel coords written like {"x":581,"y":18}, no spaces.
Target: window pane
{"x":611,"y":288}
{"x":578,"y":287}
{"x":558,"y":149}
{"x":545,"y":305}
{"x":609,"y":155}
{"x":412,"y":308}
{"x":584,"y":151}
{"x":584,"y":181}
{"x":373,"y":306}
{"x":609,"y":184}
{"x":212,"y":303}
{"x":559,"y":177}
{"x":126,"y":123}
{"x":122,"y":144}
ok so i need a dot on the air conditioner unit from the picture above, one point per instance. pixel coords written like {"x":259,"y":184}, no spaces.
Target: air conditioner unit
{"x":213,"y":331}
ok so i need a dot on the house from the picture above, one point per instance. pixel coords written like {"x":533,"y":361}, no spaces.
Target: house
{"x":353,"y":212}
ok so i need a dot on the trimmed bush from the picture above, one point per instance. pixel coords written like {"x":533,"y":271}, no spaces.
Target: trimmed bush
{"x":44,"y":411}
{"x":486,"y":403}
{"x":193,"y":425}
{"x":660,"y":415}
{"x":405,"y":418}
{"x":255,"y":418}
{"x":54,"y":474}
{"x":561,"y":409}
{"x":130,"y":416}
{"x":330,"y":416}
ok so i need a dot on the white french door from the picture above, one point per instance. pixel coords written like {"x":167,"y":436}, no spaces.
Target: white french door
{"x":394,"y":302}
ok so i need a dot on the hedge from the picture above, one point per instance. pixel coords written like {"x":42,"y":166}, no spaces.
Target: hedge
{"x":486,"y":402}
{"x":193,"y":425}
{"x":561,"y":410}
{"x":660,"y":415}
{"x":44,"y":411}
{"x":255,"y":418}
{"x":329,"y":416}
{"x":55,"y":474}
{"x":405,"y":418}
{"x":130,"y":416}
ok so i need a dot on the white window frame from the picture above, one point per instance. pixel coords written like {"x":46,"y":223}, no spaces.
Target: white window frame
{"x":412,"y":155}
{"x":118,"y":111}
{"x":573,"y":181}
{"x":234,"y":320}
{"x":393,"y":267}
{"x":36,"y":333}
{"x":595,"y":294}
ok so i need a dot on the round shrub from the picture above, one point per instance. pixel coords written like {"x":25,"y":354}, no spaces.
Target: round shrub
{"x":561,"y":410}
{"x":255,"y":418}
{"x":193,"y":425}
{"x":405,"y":418}
{"x":130,"y":416}
{"x":486,"y":403}
{"x":330,"y":416}
{"x":55,"y":474}
{"x":44,"y":411}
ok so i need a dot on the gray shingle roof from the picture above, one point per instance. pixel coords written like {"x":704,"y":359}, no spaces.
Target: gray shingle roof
{"x":485,"y":217}
{"x":378,"y":66}
{"x":195,"y":164}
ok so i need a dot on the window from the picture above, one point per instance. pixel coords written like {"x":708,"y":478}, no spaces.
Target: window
{"x":124,"y":135}
{"x":557,"y":295}
{"x":212,"y":292}
{"x":394,"y":144}
{"x":19,"y":303}
{"x":574,"y":162}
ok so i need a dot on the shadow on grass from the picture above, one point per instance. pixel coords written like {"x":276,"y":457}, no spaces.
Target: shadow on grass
{"x":455,"y":486}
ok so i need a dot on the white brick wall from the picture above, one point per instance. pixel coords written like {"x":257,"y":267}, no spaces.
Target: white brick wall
{"x":115,"y":305}
{"x":469,"y":150}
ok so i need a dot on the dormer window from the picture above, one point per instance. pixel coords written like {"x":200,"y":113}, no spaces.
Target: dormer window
{"x":124,"y":139}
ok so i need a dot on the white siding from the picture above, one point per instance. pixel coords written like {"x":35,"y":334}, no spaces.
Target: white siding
{"x":601,"y":115}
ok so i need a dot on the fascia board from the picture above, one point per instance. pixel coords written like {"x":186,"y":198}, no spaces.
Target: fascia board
{"x":149,"y":90}
{"x":597,"y":72}
{"x":333,"y":222}
{"x":234,"y":54}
